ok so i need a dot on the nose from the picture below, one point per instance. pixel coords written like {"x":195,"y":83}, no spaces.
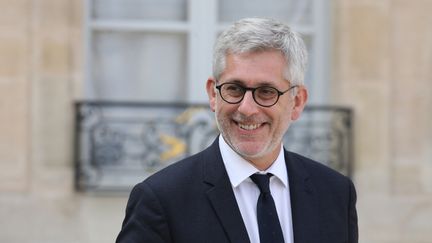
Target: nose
{"x":248,"y":106}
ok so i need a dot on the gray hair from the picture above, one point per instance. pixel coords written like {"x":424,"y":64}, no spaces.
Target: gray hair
{"x":260,"y":34}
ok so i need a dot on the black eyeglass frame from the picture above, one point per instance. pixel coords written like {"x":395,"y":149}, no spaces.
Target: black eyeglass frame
{"x":245,"y":89}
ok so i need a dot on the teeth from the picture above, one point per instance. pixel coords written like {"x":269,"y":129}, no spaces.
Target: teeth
{"x":249,"y":127}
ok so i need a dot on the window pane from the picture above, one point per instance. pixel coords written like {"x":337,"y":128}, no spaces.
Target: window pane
{"x":140,"y":9}
{"x":138,"y":67}
{"x":290,"y":11}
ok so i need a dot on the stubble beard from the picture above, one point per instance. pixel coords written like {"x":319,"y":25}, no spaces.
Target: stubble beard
{"x":224,"y":125}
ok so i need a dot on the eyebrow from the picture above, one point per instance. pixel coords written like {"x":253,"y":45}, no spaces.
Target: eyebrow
{"x":243,"y":83}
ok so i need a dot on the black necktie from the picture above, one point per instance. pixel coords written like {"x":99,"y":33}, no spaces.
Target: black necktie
{"x":268,"y":222}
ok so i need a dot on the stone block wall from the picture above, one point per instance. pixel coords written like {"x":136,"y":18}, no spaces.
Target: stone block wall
{"x":14,"y":92}
{"x":41,"y":50}
{"x":382,"y":67}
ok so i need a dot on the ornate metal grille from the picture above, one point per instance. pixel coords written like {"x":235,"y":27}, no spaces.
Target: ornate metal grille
{"x":119,"y":144}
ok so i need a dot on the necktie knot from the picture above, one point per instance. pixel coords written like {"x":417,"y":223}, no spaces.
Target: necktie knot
{"x":262,"y":181}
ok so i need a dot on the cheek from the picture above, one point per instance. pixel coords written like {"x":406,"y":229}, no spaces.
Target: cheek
{"x":219,"y":110}
{"x":283,"y":120}
{"x":289,"y":112}
{"x":222,"y":107}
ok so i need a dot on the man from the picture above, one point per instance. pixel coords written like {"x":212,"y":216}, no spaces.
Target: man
{"x":245,"y":187}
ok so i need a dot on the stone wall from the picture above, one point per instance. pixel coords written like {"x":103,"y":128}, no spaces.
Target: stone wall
{"x":41,"y":50}
{"x":14,"y":92}
{"x":382,"y":67}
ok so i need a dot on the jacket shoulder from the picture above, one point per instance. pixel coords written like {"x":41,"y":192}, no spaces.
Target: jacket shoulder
{"x":314,"y":169}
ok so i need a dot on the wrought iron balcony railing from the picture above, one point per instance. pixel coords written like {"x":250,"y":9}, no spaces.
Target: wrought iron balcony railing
{"x":119,"y":144}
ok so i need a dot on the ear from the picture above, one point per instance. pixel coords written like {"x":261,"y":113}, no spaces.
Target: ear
{"x":299,"y":102}
{"x":211,"y":92}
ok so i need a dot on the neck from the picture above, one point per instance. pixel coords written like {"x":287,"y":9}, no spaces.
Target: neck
{"x":262,"y":163}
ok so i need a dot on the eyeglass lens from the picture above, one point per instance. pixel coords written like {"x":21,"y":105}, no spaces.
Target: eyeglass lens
{"x":234,"y":93}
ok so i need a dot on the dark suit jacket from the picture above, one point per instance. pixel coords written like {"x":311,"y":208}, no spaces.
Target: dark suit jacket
{"x":192,"y":201}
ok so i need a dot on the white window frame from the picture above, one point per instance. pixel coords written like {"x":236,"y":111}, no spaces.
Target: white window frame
{"x":201,"y":28}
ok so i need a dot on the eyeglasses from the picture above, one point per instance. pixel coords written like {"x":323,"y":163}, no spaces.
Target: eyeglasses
{"x":266,"y":96}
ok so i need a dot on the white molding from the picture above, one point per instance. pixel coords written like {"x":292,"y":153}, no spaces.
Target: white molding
{"x":89,"y":92}
{"x":202,"y":17}
{"x":202,"y":27}
{"x":140,"y":26}
{"x":320,"y":84}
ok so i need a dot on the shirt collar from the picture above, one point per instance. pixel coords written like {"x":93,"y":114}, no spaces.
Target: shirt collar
{"x":239,"y":169}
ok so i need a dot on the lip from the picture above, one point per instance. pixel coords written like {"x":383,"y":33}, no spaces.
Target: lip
{"x":249,"y":127}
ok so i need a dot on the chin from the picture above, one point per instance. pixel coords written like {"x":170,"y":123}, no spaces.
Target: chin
{"x":251,"y":151}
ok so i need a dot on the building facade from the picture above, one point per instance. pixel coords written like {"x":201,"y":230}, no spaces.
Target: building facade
{"x":381,"y":59}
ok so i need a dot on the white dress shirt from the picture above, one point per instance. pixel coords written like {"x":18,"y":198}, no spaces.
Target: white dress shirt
{"x":246,"y":192}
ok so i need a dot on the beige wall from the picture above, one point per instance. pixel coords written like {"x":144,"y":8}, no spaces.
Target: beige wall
{"x":14,"y":93}
{"x":40,"y":77}
{"x":382,"y":67}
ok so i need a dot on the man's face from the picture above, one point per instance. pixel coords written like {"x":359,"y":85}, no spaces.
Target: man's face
{"x":253,"y":131}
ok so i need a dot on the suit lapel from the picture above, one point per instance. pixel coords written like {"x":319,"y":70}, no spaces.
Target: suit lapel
{"x":304,"y":202}
{"x":222,"y":197}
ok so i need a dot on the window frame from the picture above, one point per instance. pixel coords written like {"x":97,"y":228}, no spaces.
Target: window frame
{"x":201,"y":28}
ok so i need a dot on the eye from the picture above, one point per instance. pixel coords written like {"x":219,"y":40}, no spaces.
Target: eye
{"x":233,"y":89}
{"x":266,"y":92}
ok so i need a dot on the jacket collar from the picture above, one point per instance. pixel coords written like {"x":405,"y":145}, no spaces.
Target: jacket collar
{"x":221,"y":195}
{"x":304,"y":202}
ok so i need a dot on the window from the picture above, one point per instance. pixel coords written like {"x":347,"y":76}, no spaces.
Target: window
{"x":161,"y":50}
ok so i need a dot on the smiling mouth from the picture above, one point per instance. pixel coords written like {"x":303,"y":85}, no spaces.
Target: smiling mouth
{"x":249,"y":127}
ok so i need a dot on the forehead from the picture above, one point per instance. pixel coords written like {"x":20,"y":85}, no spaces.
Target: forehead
{"x":266,"y":67}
